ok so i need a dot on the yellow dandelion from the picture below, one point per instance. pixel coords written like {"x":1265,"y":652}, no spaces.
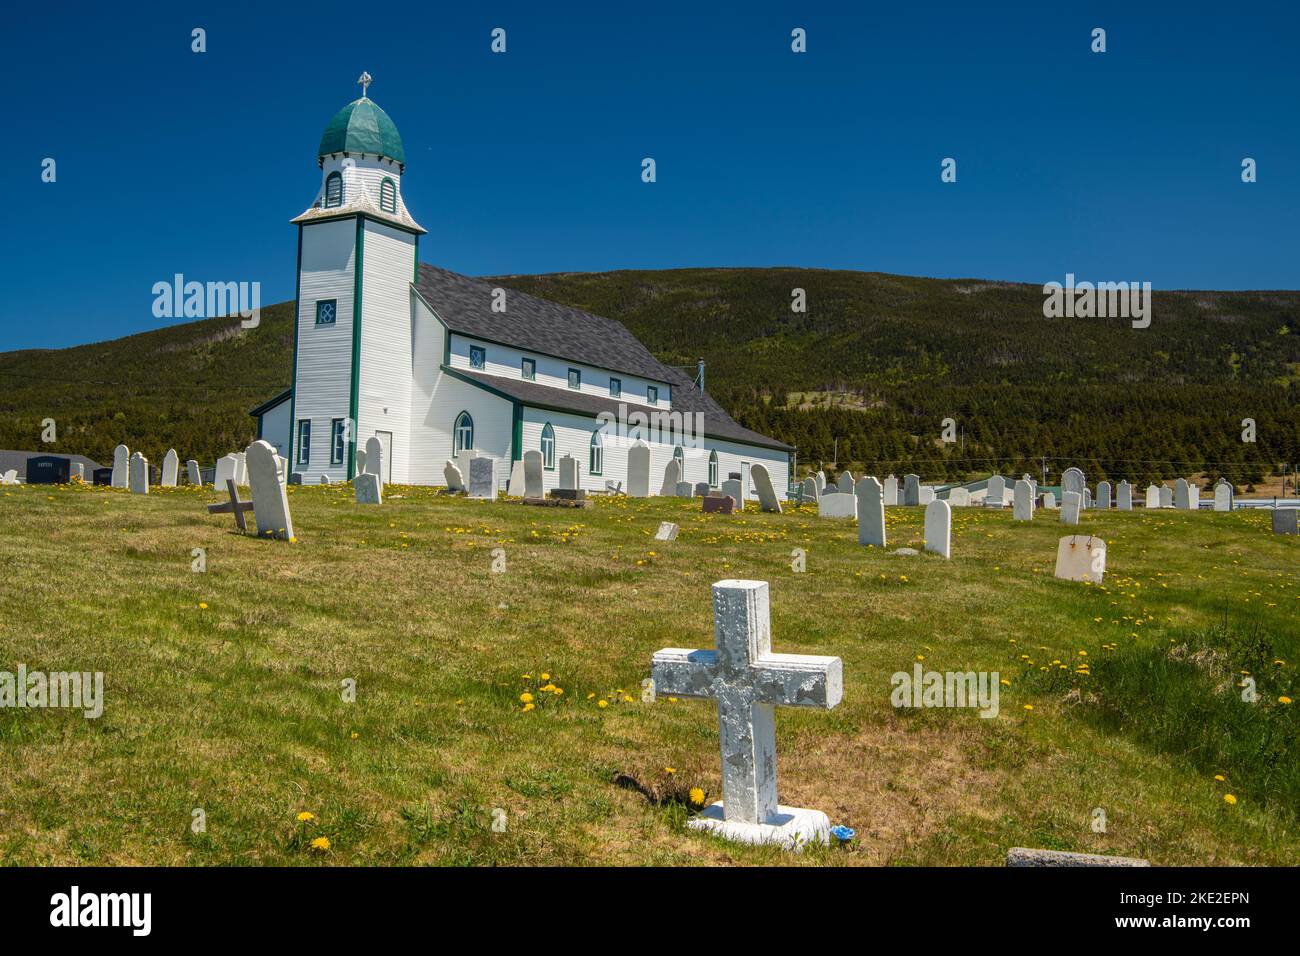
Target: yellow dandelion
{"x":306,"y":817}
{"x":602,"y":704}
{"x":202,"y":606}
{"x":320,"y":844}
{"x":1284,"y":699}
{"x":697,"y":796}
{"x":1230,"y":799}
{"x":670,"y":769}
{"x":526,"y":698}
{"x":1220,"y":777}
{"x":528,"y":707}
{"x":1029,"y":706}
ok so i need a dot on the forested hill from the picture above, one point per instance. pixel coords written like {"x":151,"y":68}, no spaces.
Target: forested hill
{"x":876,"y":361}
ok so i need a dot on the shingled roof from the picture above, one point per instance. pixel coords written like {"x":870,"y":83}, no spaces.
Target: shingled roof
{"x":465,"y":305}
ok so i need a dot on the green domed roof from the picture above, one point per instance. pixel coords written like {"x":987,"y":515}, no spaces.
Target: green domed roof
{"x":362,"y":127}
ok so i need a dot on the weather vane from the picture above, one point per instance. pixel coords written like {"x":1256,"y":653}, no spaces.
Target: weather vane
{"x":365,"y":80}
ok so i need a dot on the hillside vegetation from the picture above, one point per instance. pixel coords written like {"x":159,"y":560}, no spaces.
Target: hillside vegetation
{"x":877,"y":361}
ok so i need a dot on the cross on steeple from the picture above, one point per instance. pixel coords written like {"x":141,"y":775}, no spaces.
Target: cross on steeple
{"x":365,"y":80}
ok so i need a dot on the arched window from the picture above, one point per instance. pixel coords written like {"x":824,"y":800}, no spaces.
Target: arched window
{"x":713,"y":468}
{"x":464,"y":433}
{"x":333,"y":190}
{"x":679,"y":456}
{"x":388,"y":195}
{"x":548,"y":447}
{"x":597,"y":463}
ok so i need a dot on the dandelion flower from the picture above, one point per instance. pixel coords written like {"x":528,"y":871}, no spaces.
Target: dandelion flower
{"x":202,"y":606}
{"x":1284,"y":700}
{"x":602,"y":704}
{"x":697,"y":796}
{"x":1029,"y":706}
{"x":306,"y":817}
{"x":526,"y":698}
{"x":320,"y":844}
{"x":1230,"y":799}
{"x":1220,"y":777}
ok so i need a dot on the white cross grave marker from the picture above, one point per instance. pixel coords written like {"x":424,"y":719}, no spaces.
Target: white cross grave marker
{"x":748,"y":681}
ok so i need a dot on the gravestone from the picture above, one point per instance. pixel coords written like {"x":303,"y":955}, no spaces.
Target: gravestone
{"x":911,"y":490}
{"x":360,"y":454}
{"x":718,"y":504}
{"x":891,"y":491}
{"x":482,"y":478}
{"x":667,"y":531}
{"x":925,"y":495}
{"x":1124,"y":497}
{"x":375,"y":457}
{"x":845,"y":483}
{"x":1153,"y":496}
{"x":121,"y":467}
{"x":1284,"y":520}
{"x":701,"y":489}
{"x":1048,"y":500}
{"x":732,"y":487}
{"x":1103,"y":496}
{"x":767,"y":500}
{"x":672,"y":475}
{"x":1072,"y":480}
{"x":1070,"y":504}
{"x":1222,"y":496}
{"x":997,"y":492}
{"x":820,"y":478}
{"x":233,"y":506}
{"x":1086,"y":503}
{"x":270,"y":499}
{"x":749,"y":682}
{"x":451,"y":474}
{"x":1193,"y":496}
{"x":533,"y":479}
{"x":100,"y":476}
{"x":48,"y":470}
{"x":638,"y":471}
{"x":241,"y":468}
{"x":835,"y":504}
{"x":1182,"y":496}
{"x":568,"y":472}
{"x":139,"y":478}
{"x":194,"y":473}
{"x":515,"y":487}
{"x":871,"y":512}
{"x":1024,"y":501}
{"x":171,"y":465}
{"x":1081,"y":557}
{"x":959,"y":498}
{"x":810,"y":489}
{"x":323,"y":480}
{"x":684,"y":490}
{"x":369,"y":489}
{"x":938,"y":528}
{"x":225,"y":471}
{"x":1166,"y":496}
{"x":78,"y":471}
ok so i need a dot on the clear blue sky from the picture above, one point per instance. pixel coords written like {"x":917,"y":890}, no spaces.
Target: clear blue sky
{"x":1124,"y":165}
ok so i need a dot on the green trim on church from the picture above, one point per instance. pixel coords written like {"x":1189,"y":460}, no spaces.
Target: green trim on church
{"x":354,"y":397}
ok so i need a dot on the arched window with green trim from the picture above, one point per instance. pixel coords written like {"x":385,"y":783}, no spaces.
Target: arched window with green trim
{"x":713,"y":468}
{"x":597,"y":462}
{"x":679,"y":456}
{"x":548,"y":447}
{"x":333,"y":190}
{"x":463,"y":433}
{"x":388,"y":196}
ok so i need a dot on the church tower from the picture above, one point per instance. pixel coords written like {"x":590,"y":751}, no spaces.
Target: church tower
{"x":358,"y":252}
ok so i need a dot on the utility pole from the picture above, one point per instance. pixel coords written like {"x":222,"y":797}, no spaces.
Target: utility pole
{"x":1044,"y":469}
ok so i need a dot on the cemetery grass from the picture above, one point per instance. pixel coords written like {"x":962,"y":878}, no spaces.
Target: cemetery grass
{"x":223,"y":689}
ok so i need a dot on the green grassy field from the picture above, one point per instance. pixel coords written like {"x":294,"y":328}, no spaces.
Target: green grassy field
{"x":223,"y":689}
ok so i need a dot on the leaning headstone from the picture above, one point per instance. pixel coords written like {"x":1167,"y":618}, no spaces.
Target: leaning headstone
{"x":270,"y":500}
{"x":1284,"y":520}
{"x":193,"y":472}
{"x":1124,"y":497}
{"x":139,"y":468}
{"x":810,"y":489}
{"x":749,"y":682}
{"x":568,"y":472}
{"x":672,"y":475}
{"x":701,"y":489}
{"x":482,"y":478}
{"x":638,"y":471}
{"x":533,"y":481}
{"x":959,"y":498}
{"x":891,"y":491}
{"x":1081,"y":557}
{"x":1222,"y":496}
{"x":1182,"y":498}
{"x":171,"y":464}
{"x":835,"y":504}
{"x":767,"y":499}
{"x":1070,"y":504}
{"x":452,"y":476}
{"x":121,"y":467}
{"x":997,"y":492}
{"x":667,"y":531}
{"x":1072,"y":480}
{"x":871,"y":512}
{"x":1103,"y":495}
{"x":515,"y":487}
{"x":845,"y":483}
{"x":375,"y":457}
{"x":1024,"y":501}
{"x":911,"y":490}
{"x":225,"y":471}
{"x":1166,"y":496}
{"x":938,"y":528}
{"x":732,"y":487}
{"x":1024,"y":856}
{"x":369,"y":490}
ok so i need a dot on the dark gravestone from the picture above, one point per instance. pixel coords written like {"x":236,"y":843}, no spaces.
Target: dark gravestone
{"x":568,"y":494}
{"x":48,"y":470}
{"x":102,"y":476}
{"x":719,"y":504}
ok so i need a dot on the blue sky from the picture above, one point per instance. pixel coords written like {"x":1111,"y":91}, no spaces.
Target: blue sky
{"x":1122,"y":165}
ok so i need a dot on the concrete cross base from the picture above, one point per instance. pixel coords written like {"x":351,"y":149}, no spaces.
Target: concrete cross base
{"x":789,"y":828}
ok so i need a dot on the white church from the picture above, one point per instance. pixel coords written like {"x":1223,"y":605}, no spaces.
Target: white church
{"x":443,"y":367}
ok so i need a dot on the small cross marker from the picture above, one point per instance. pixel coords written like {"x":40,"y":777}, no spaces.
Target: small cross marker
{"x":233,"y":505}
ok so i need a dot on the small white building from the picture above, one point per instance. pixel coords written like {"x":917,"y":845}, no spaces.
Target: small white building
{"x":444,"y":367}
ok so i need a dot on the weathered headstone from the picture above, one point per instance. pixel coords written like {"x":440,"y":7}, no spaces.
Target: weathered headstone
{"x":482,"y":478}
{"x":451,"y":474}
{"x":121,"y":467}
{"x":361,"y":461}
{"x":1182,"y":499}
{"x":685,"y":490}
{"x":1153,"y":496}
{"x":667,"y":531}
{"x":225,"y":471}
{"x":718,"y":504}
{"x":1024,"y":501}
{"x":139,"y":468}
{"x":911,"y":490}
{"x":368,"y":488}
{"x":270,"y":500}
{"x":925,"y":495}
{"x":638,"y":471}
{"x":891,"y":491}
{"x":871,"y":512}
{"x":1048,"y":501}
{"x":959,"y":498}
{"x":1086,"y":503}
{"x":820,"y":478}
{"x":515,"y":487}
{"x":1166,"y":496}
{"x":810,"y":489}
{"x":1071,"y":501}
{"x":171,"y":464}
{"x":1103,"y":495}
{"x":1124,"y":497}
{"x":1081,"y":557}
{"x":375,"y":457}
{"x":938,"y":528}
{"x":845,"y":482}
{"x":672,"y":475}
{"x":767,"y":499}
{"x":996,"y":495}
{"x":324,"y":480}
{"x":1284,"y":520}
{"x":835,"y":504}
{"x":749,"y":682}
{"x":241,"y":468}
{"x":1193,"y":496}
{"x":534,"y":483}
{"x":1072,"y":480}
{"x":194,"y":473}
{"x":1222,"y":496}
{"x":701,"y":489}
{"x":732,"y":487}
{"x":568,"y":471}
